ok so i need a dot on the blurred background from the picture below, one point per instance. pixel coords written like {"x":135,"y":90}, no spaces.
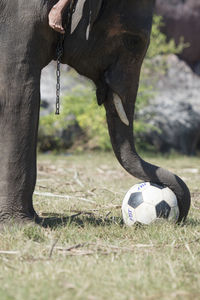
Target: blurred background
{"x":167,"y":117}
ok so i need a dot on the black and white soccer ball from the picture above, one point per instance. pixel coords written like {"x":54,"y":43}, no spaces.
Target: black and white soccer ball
{"x":147,"y":202}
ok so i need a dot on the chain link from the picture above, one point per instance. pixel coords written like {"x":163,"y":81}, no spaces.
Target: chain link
{"x":59,"y":55}
{"x":59,"y":52}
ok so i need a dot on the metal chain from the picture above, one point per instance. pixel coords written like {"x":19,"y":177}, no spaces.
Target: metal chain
{"x":59,"y":52}
{"x":59,"y":55}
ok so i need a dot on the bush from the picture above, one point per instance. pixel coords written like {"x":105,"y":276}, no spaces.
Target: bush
{"x":91,"y":117}
{"x":81,"y":103}
{"x":82,"y":108}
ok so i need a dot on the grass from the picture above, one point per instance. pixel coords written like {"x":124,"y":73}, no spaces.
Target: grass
{"x":87,"y":253}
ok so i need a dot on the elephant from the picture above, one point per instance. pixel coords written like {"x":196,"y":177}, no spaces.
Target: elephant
{"x":110,"y":53}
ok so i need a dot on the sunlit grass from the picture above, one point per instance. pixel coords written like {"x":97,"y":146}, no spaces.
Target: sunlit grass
{"x":87,"y":253}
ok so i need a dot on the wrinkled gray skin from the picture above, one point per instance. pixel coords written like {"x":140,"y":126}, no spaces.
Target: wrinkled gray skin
{"x":112,"y":58}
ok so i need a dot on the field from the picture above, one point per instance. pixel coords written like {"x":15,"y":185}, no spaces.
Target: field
{"x":85,"y":252}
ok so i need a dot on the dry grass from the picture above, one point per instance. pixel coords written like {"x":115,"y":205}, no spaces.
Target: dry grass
{"x":85,"y":252}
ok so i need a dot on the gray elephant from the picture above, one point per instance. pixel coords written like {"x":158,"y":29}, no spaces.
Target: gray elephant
{"x":111,"y":56}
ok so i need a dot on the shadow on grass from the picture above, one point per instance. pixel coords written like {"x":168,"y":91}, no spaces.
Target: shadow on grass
{"x":192,"y":222}
{"x":55,"y":221}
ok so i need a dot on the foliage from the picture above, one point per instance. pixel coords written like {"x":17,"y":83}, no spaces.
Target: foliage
{"x":81,"y":104}
{"x":91,"y":118}
{"x":48,"y":139}
{"x":159,"y":44}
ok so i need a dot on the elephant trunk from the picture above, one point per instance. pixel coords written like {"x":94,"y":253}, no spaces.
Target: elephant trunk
{"x":122,"y":139}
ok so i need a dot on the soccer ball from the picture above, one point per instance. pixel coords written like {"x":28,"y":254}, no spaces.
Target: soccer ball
{"x":146,"y":202}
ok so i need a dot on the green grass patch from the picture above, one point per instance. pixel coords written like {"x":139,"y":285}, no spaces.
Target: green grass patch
{"x":85,"y":252}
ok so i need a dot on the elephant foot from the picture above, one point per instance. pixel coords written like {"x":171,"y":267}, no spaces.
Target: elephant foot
{"x":11,"y":216}
{"x":18,"y":219}
{"x":17,"y":209}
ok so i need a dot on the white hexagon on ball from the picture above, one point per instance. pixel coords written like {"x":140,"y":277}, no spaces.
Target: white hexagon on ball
{"x":152,"y":195}
{"x":128,"y":214}
{"x":145,"y":213}
{"x":139,"y":187}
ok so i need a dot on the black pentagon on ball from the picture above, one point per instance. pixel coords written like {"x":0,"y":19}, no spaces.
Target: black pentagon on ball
{"x":135,"y":199}
{"x":161,"y":187}
{"x":163,"y":210}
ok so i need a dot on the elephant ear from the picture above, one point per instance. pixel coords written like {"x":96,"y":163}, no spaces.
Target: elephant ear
{"x":95,"y":8}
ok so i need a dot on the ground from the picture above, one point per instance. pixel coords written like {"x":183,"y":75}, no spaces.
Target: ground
{"x":92,"y":255}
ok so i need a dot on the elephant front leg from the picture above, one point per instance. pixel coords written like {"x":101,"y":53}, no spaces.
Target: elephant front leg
{"x":19,"y":114}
